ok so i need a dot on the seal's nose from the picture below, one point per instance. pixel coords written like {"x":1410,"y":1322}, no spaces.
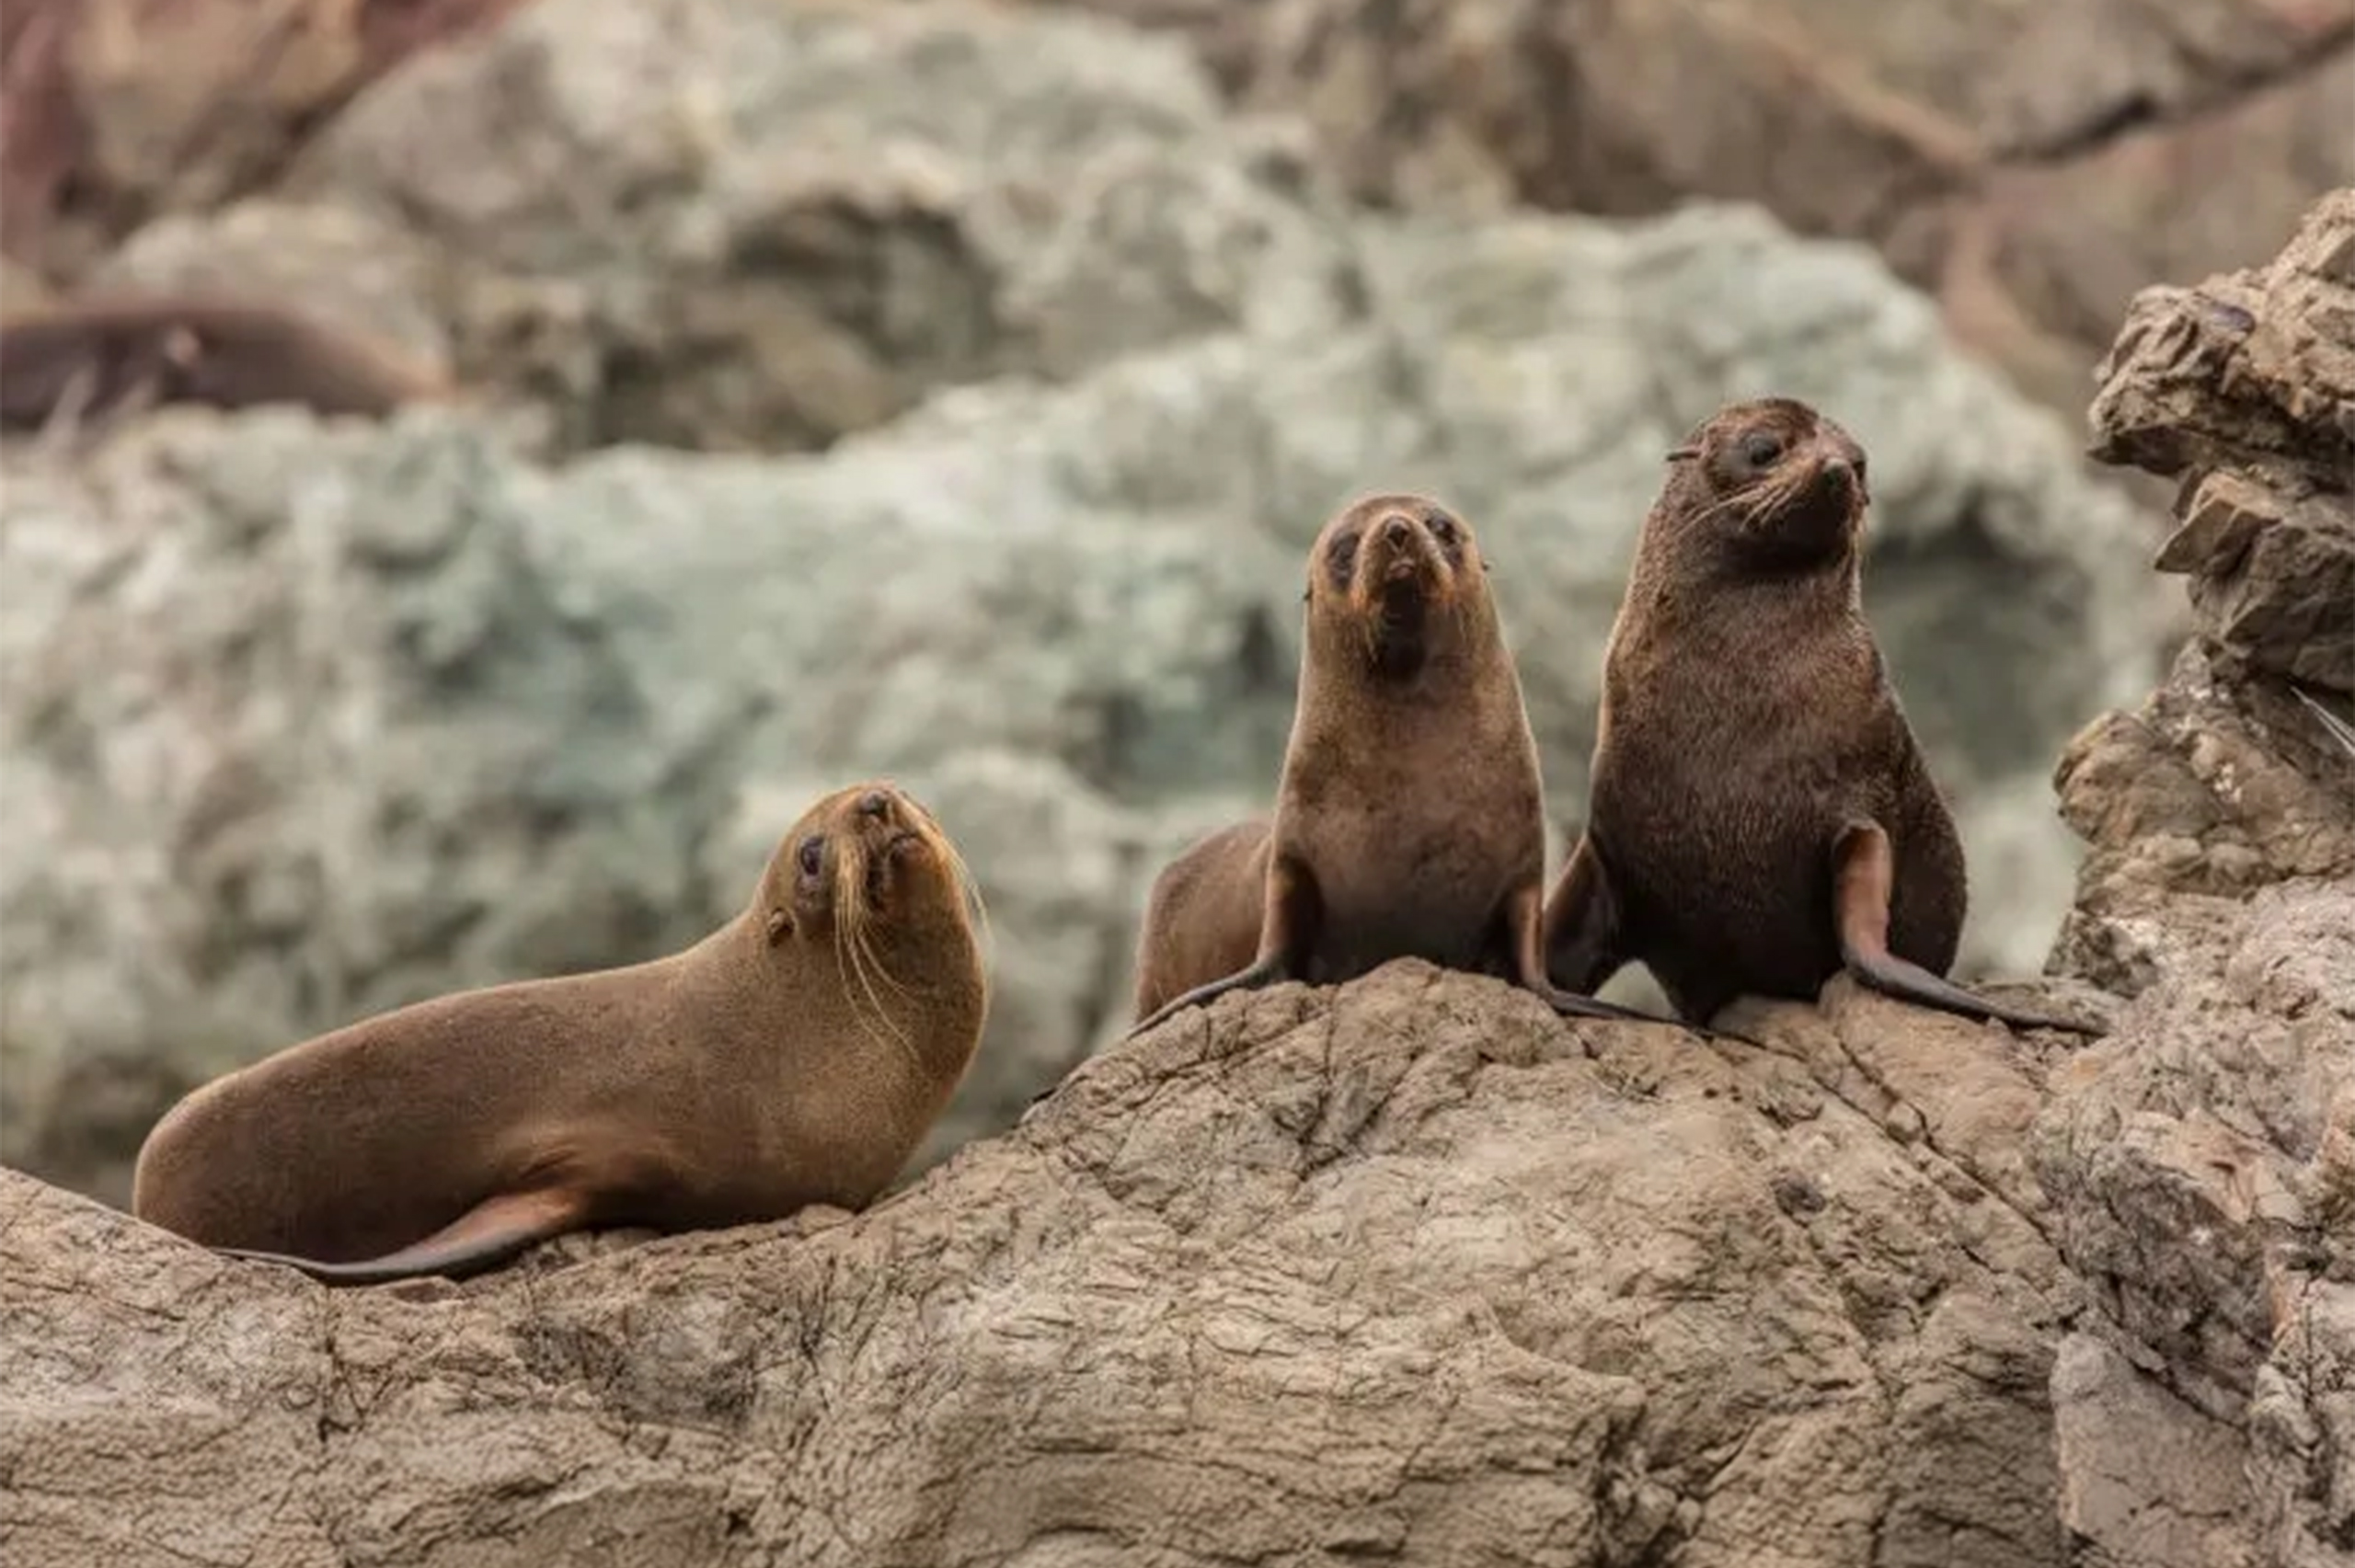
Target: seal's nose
{"x":1396,"y":528}
{"x":1840,"y":468}
{"x":875,"y":803}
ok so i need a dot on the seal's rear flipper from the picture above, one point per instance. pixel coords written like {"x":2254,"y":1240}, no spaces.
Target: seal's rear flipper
{"x":1262,"y":972}
{"x":1579,"y":925}
{"x":1594,"y":924}
{"x":489,"y":1233}
{"x":1863,"y":868}
{"x":1288,"y":921}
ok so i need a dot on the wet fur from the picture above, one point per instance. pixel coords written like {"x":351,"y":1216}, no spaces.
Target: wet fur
{"x":797,"y":1055}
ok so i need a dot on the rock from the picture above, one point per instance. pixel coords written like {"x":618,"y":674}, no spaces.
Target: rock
{"x":728,"y":224}
{"x":2202,"y":1160}
{"x":1478,"y":1289}
{"x":131,"y":108}
{"x":2032,"y":166}
{"x":382,"y":714}
{"x":21,"y":288}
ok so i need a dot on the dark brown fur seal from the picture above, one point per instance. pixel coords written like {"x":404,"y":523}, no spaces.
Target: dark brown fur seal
{"x":1760,"y":816}
{"x":96,"y":359}
{"x":1409,"y":821}
{"x":794,"y":1056}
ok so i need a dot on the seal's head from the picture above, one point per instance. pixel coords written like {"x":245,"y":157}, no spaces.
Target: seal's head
{"x":1766,"y":485}
{"x":1395,"y":583}
{"x":864,"y":865}
{"x":867,"y":892}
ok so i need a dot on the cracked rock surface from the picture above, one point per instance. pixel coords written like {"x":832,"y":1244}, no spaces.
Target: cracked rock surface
{"x":1410,"y":1271}
{"x":2202,"y":1160}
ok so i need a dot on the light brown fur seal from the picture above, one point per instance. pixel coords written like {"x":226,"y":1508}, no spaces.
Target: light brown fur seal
{"x":1760,"y":815}
{"x":794,"y":1056}
{"x":97,"y":359}
{"x":1410,"y":821}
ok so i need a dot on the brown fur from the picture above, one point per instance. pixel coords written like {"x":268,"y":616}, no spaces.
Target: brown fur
{"x":1410,"y":821}
{"x":794,"y":1056}
{"x":1750,"y":743}
{"x":98,"y":359}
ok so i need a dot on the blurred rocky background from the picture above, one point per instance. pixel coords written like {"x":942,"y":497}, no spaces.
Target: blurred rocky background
{"x":949,"y":390}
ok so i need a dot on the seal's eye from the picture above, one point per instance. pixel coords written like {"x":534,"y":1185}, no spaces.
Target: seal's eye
{"x":1760,"y":450}
{"x":1340,"y":556}
{"x":811,"y":849}
{"x":1443,"y":527}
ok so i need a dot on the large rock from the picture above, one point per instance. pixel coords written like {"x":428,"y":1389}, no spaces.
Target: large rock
{"x":2033,"y":165}
{"x":1412,"y":1270}
{"x":119,"y":109}
{"x":307,"y":721}
{"x":2202,"y":1161}
{"x":740,"y":224}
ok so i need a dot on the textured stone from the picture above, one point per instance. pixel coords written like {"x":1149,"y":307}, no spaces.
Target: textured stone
{"x":2201,"y":1160}
{"x":1396,"y":1270}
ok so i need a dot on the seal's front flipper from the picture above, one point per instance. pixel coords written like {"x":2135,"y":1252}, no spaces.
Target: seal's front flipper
{"x":1863,"y":868}
{"x":489,"y":1233}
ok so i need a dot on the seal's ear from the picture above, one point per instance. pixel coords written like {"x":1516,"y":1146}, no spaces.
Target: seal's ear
{"x":1678,"y":455}
{"x":780,"y":926}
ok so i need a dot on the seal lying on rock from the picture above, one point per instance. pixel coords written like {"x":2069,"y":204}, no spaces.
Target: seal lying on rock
{"x":105,"y":357}
{"x":1760,"y":816}
{"x":1409,"y":821}
{"x":795,"y":1056}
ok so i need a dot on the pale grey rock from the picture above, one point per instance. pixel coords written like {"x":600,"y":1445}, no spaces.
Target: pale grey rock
{"x":745,"y":225}
{"x":2201,"y":1160}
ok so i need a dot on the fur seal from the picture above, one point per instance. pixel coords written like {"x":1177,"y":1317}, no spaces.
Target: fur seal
{"x":103,"y":358}
{"x":1409,"y":819}
{"x":794,"y":1056}
{"x":1760,"y":815}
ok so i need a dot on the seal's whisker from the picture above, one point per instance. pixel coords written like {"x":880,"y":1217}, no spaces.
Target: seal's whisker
{"x":968,"y":885}
{"x":849,"y":914}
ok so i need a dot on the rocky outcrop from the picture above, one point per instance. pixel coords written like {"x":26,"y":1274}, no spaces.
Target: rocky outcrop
{"x":308,"y":721}
{"x":1410,"y":1271}
{"x":2032,"y":165}
{"x":2202,"y":1161}
{"x":120,"y":110}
